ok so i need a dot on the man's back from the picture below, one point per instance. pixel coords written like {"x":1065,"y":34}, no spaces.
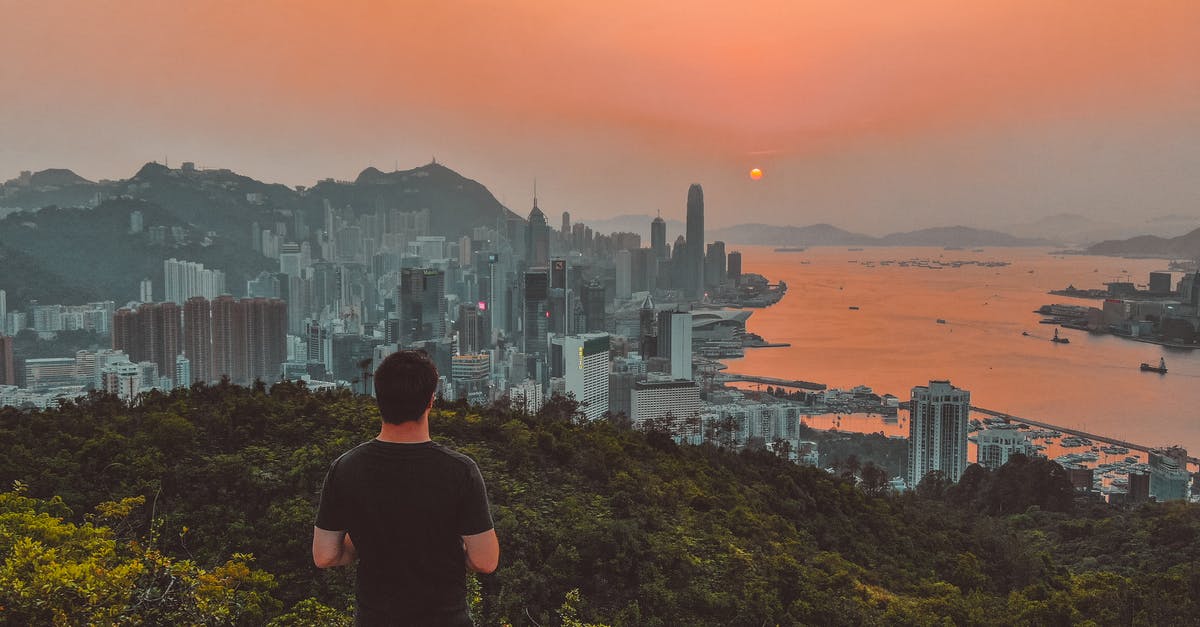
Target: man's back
{"x":406,"y":508}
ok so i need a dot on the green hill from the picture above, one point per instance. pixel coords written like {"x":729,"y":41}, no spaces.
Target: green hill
{"x":647,"y":531}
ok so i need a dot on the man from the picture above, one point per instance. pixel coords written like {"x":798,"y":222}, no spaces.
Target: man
{"x":414,"y":513}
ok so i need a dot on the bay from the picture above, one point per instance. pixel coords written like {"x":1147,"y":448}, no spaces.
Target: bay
{"x":893,"y":340}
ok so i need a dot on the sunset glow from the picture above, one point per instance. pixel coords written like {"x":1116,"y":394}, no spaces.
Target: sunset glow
{"x":756,"y":174}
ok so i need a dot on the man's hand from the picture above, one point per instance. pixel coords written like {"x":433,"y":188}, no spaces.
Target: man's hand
{"x":332,"y":548}
{"x":482,"y":551}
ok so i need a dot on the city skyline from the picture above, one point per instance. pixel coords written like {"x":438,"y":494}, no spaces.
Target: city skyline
{"x":928,"y":114}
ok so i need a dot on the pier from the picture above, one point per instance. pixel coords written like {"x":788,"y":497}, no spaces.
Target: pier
{"x":785,"y":383}
{"x":1076,"y":432}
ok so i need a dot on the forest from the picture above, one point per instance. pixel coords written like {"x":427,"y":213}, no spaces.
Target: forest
{"x":196,"y":507}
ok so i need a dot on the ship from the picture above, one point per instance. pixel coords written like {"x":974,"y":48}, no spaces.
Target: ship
{"x":1059,"y":340}
{"x":1161,"y":368}
{"x":854,"y":307}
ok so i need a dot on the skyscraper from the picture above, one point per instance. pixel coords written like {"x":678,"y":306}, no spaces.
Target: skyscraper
{"x":8,"y":375}
{"x":536,"y":312}
{"x":421,"y":305}
{"x":734,"y":267}
{"x":714,"y":264}
{"x":566,"y":223}
{"x":197,"y":338}
{"x":593,"y":306}
{"x":695,"y":241}
{"x":937,"y":431}
{"x":675,"y":341}
{"x":585,"y":370}
{"x":184,"y":279}
{"x":472,"y":327}
{"x":658,"y":239}
{"x":538,"y":240}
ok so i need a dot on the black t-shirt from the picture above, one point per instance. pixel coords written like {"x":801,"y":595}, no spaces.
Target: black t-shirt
{"x":406,"y":508}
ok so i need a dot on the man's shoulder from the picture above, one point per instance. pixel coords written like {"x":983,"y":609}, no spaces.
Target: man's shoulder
{"x":458,"y":456}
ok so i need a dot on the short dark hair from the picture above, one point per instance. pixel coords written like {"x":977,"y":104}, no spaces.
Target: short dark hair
{"x":404,"y":384}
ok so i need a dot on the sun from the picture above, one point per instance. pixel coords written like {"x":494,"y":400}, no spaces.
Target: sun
{"x":756,"y":174}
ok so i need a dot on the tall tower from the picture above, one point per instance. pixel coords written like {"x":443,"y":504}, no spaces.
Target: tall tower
{"x":695,"y":241}
{"x":658,"y":239}
{"x":538,"y":241}
{"x":566,"y":223}
{"x":197,"y":338}
{"x":937,"y":431}
{"x":536,"y":311}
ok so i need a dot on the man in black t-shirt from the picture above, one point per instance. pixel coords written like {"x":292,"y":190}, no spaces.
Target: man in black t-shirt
{"x":414,"y":513}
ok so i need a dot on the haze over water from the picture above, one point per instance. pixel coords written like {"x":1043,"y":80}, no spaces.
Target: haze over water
{"x":893,"y":342}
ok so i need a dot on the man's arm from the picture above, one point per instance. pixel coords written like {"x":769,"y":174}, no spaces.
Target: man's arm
{"x":332,"y":548}
{"x":483,"y":551}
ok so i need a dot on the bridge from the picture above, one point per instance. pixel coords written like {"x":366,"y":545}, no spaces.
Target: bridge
{"x":784,"y":383}
{"x":1076,"y":432}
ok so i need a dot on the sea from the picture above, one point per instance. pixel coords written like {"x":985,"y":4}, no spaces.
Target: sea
{"x":862,"y":317}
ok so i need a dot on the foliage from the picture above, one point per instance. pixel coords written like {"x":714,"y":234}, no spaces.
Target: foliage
{"x":599,"y":523}
{"x":56,"y":572}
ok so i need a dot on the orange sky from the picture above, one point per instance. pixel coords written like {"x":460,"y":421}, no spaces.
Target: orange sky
{"x":869,"y":115}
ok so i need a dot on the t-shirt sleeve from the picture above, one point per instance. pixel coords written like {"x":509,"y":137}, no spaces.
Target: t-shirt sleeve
{"x":475,"y":515}
{"x":331,"y":511}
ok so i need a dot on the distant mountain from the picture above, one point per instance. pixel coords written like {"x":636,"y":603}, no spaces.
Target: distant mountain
{"x":1185,"y":246}
{"x":456,"y":204}
{"x":958,"y":236}
{"x":773,"y":235}
{"x":72,"y":256}
{"x":49,"y":187}
{"x":629,"y":223}
{"x":1078,"y":230}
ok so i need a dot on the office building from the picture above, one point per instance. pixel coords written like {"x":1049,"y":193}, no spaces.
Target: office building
{"x":623,"y":262}
{"x":585,"y":371}
{"x":593,"y":306}
{"x":937,"y":431}
{"x":472,"y":327}
{"x":674,"y":342}
{"x":658,"y":239}
{"x":733,"y":269}
{"x":675,"y":403}
{"x":471,"y":376}
{"x":421,"y":305}
{"x":538,"y":238}
{"x":714,"y":264}
{"x":694,"y":261}
{"x":536,"y":312}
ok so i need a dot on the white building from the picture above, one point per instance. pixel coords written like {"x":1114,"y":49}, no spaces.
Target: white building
{"x":585,"y":371}
{"x":527,"y":395}
{"x":937,"y":431}
{"x":997,"y":445}
{"x":123,"y":379}
{"x":185,"y":279}
{"x":677,"y":401}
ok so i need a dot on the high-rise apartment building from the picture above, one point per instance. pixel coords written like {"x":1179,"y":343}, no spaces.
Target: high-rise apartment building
{"x":1168,"y":474}
{"x":8,"y":375}
{"x":996,"y":446}
{"x":150,"y":333}
{"x":694,"y":260}
{"x":937,"y":431}
{"x":249,"y":338}
{"x":185,"y":279}
{"x":585,"y":371}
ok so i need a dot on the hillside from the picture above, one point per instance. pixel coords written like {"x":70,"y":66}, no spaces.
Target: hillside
{"x":772,"y":235}
{"x":648,"y":532}
{"x":1185,"y":246}
{"x":959,"y":236}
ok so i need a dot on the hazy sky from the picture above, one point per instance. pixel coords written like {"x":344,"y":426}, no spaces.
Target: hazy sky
{"x":874,"y":116}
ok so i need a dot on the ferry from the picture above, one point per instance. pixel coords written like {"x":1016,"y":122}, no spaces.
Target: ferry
{"x":1160,"y":369}
{"x":1060,"y":340}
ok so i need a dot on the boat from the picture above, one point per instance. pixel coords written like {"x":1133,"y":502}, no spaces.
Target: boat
{"x":854,"y":307}
{"x":1161,"y":368}
{"x":1059,"y":340}
{"x":941,"y":321}
{"x":1025,"y":333}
